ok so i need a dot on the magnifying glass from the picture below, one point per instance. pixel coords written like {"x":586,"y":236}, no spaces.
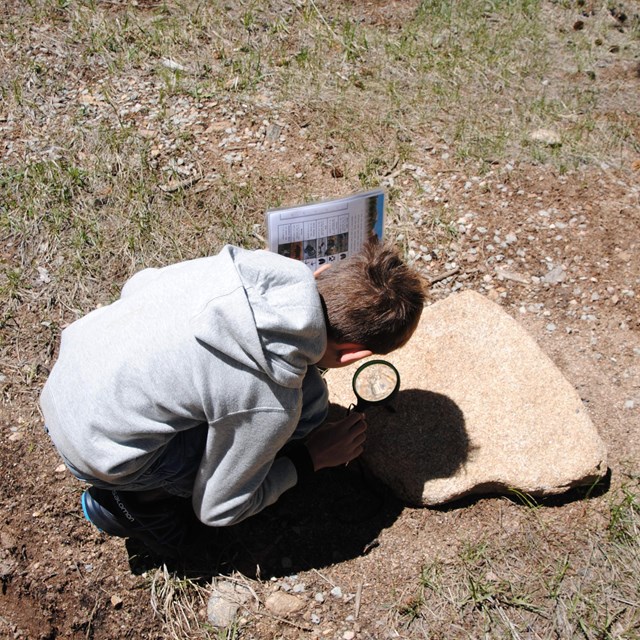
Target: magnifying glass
{"x":375,"y":383}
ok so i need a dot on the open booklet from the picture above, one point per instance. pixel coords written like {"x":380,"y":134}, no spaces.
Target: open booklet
{"x":328,"y":231}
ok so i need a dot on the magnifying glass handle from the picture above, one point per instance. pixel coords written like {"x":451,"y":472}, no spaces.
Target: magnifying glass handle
{"x":358,"y":408}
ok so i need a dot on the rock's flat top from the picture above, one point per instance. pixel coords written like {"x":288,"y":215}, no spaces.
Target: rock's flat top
{"x":481,"y":409}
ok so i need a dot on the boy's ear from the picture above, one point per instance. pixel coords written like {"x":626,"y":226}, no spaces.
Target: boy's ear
{"x":349,"y":353}
{"x":319,"y":270}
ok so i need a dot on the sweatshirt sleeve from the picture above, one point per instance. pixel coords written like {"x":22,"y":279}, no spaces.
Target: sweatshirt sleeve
{"x":138,"y":280}
{"x":239,"y":474}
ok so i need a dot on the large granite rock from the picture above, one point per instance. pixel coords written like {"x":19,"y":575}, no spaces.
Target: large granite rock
{"x":481,"y":409}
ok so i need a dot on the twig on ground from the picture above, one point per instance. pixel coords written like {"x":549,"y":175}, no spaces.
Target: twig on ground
{"x":358,"y":598}
{"x":92,"y":615}
{"x":444,"y":276}
{"x":171,"y":187}
{"x":333,"y":584}
{"x":297,"y":625}
{"x":244,"y":582}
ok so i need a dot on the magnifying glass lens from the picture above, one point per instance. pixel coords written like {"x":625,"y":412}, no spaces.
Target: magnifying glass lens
{"x":375,"y":382}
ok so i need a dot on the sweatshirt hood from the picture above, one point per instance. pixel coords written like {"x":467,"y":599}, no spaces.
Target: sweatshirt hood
{"x":265,"y":313}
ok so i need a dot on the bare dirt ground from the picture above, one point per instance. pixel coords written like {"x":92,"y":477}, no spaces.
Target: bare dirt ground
{"x":559,"y":251}
{"x":61,"y":578}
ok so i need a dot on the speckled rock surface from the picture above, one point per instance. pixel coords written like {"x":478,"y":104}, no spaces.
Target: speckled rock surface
{"x":481,"y":409}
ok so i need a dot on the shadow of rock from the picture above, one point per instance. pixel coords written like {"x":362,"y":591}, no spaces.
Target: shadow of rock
{"x":599,"y":488}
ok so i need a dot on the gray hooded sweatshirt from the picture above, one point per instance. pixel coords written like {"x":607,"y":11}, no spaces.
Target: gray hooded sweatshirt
{"x":224,"y":340}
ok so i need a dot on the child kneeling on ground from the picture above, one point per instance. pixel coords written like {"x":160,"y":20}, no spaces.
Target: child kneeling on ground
{"x":197,"y":397}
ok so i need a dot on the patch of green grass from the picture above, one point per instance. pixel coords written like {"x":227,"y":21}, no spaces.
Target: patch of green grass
{"x":526,"y":499}
{"x":42,"y":191}
{"x":480,"y":75}
{"x":10,"y":285}
{"x":509,"y":585}
{"x":624,"y":523}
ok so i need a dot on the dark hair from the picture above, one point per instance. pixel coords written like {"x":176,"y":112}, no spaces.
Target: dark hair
{"x":373,"y":298}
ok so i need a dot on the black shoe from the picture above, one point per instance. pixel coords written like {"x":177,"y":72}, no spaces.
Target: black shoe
{"x":162,"y":524}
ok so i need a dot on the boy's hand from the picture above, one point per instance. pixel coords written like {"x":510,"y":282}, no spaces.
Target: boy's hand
{"x":336,"y":443}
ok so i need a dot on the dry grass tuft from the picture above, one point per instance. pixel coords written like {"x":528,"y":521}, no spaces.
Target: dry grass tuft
{"x":181,"y":604}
